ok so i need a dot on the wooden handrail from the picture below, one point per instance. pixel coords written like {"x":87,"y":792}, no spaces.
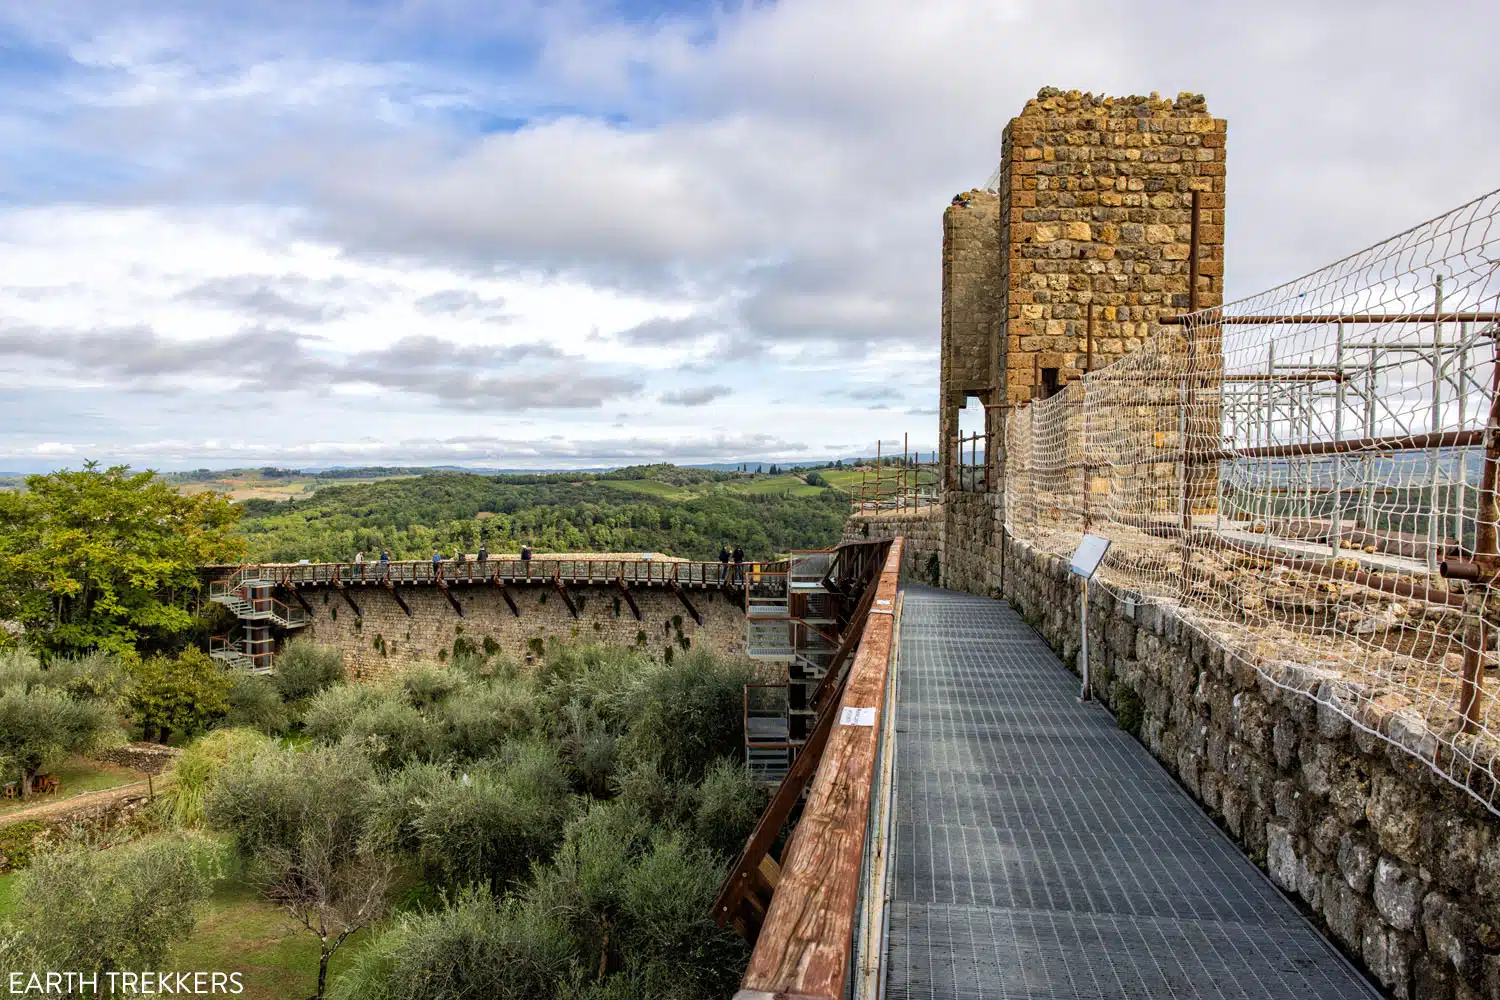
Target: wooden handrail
{"x":805,"y":944}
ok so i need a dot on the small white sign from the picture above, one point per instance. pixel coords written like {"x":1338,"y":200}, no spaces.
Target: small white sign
{"x":1088,"y":556}
{"x":857,"y":717}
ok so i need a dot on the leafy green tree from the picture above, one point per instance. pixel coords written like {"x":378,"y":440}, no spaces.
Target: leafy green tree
{"x":728,"y":804}
{"x":302,"y":822}
{"x":186,"y":693}
{"x":102,"y":911}
{"x":43,"y":719}
{"x":475,"y":947}
{"x":255,"y":703}
{"x":686,"y":713}
{"x":486,"y":825}
{"x":107,"y":559}
{"x":303,"y":668}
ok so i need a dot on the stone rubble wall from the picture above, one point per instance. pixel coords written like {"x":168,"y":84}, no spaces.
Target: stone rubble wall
{"x":1095,"y":206}
{"x":922,"y":529}
{"x":383,"y":640}
{"x":1401,"y":869}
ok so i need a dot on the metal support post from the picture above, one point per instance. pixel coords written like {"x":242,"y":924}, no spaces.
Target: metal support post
{"x":1434,"y":507}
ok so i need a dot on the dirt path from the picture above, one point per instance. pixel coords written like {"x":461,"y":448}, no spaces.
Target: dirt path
{"x":53,"y":808}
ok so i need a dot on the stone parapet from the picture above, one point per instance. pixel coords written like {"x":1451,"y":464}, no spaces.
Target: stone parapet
{"x":1401,"y":869}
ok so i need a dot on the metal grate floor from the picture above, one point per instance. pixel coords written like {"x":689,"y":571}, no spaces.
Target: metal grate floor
{"x":1042,"y":854}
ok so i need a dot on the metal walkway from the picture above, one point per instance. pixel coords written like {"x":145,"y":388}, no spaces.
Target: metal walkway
{"x":1041,"y":852}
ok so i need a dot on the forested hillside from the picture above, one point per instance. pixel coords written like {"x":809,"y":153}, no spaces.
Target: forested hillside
{"x":684,"y":512}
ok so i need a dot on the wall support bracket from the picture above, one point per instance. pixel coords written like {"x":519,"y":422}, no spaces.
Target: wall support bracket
{"x":443,"y":585}
{"x":397,"y":595}
{"x":682,"y":596}
{"x":344,"y":593}
{"x":629,"y":598}
{"x":500,"y":584}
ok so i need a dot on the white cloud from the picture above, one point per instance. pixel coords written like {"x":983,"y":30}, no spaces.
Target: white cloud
{"x":750,"y":196}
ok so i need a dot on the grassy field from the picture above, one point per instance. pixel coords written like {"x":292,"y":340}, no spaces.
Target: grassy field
{"x":652,"y":487}
{"x":238,"y":932}
{"x":276,"y":958}
{"x":75,"y":777}
{"x":763,"y":485}
{"x":251,"y":485}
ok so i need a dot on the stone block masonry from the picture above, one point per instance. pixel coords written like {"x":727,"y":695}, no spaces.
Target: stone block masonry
{"x":922,"y":529}
{"x":383,"y":640}
{"x":1094,"y":214}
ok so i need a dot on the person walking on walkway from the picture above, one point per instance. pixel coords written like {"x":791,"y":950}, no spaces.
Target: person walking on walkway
{"x":484,"y":553}
{"x":739,"y":565}
{"x":359,"y":560}
{"x":723,"y":562}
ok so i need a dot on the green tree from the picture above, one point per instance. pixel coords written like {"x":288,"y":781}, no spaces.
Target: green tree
{"x":102,"y":911}
{"x":303,"y":668}
{"x":302,"y":822}
{"x":187,"y":692}
{"x":107,"y":559}
{"x":41,"y":719}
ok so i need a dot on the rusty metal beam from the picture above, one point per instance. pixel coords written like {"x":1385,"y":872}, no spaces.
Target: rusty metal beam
{"x":567,"y":598}
{"x":1394,"y":442}
{"x":344,"y":593}
{"x":443,"y":586}
{"x":1303,"y":319}
{"x":391,"y":589}
{"x":500,"y":585}
{"x":629,"y":598}
{"x":300,"y":600}
{"x":682,"y":596}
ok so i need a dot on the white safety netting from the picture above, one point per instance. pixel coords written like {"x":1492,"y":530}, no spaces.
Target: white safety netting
{"x":1293,"y":471}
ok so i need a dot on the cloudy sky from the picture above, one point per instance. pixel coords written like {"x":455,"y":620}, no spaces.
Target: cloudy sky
{"x":532,"y":234}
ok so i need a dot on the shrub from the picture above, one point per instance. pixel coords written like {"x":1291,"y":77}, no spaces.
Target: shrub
{"x":187,"y":693}
{"x":255,"y":703}
{"x":485,"y":825}
{"x":727,"y":805}
{"x":476,"y":947}
{"x":304,"y":668}
{"x":392,"y":733}
{"x":194,"y":773}
{"x":683,"y":715}
{"x":330,"y":713}
{"x":98,"y":911}
{"x":425,"y":685}
{"x":17,"y":842}
{"x":665,"y":930}
{"x":488,"y":716}
{"x":588,"y":746}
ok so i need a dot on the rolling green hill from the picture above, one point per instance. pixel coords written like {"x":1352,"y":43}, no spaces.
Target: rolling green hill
{"x":663,"y":508}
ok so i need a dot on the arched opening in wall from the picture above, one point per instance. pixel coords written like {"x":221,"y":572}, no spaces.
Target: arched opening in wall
{"x":970,"y":454}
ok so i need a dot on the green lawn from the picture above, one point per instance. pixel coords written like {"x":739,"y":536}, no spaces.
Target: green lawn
{"x":77,"y":775}
{"x":238,"y":932}
{"x":275,"y":957}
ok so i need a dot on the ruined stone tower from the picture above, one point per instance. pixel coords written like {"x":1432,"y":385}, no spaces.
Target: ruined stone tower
{"x":1092,"y":212}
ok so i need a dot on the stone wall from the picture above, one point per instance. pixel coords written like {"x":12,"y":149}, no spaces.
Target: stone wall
{"x":1095,"y":205}
{"x":383,"y":640}
{"x":922,"y":529}
{"x":1400,"y":868}
{"x":971,"y":261}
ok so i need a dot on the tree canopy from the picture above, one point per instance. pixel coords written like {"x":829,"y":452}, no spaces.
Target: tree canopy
{"x":107,"y":558}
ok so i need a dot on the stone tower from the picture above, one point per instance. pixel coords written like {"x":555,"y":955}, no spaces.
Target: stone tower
{"x":1092,"y":213}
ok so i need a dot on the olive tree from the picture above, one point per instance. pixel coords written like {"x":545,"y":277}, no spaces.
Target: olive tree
{"x":99,"y":911}
{"x":301,"y":821}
